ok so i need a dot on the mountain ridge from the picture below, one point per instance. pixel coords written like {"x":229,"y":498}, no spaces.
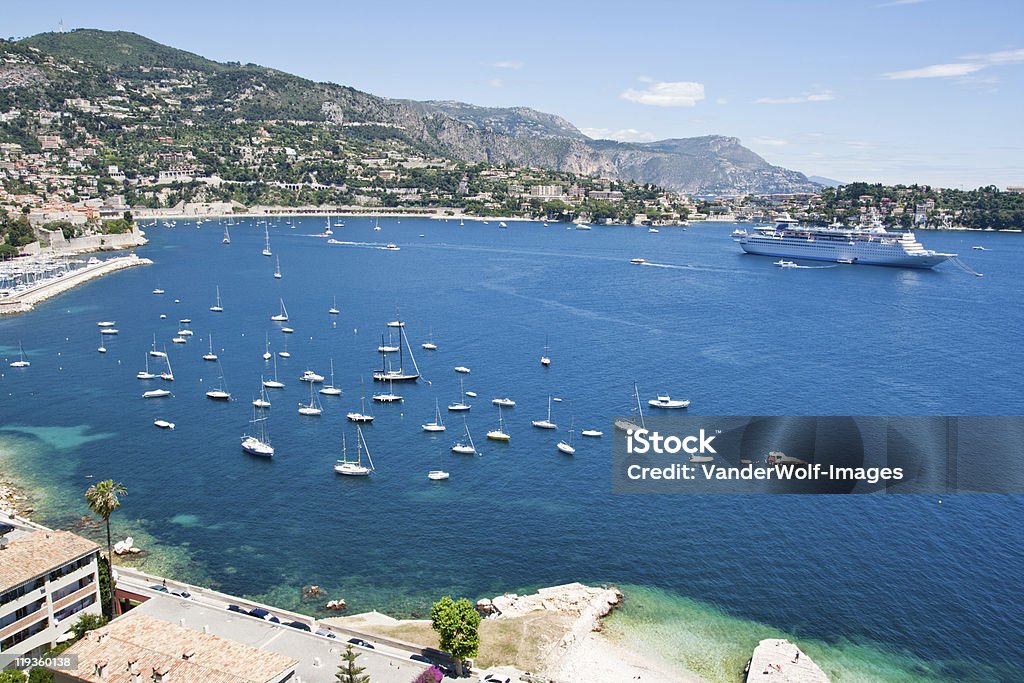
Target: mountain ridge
{"x":712,"y":164}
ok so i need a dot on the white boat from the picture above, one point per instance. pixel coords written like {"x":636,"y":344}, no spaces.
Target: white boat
{"x":221,"y":393}
{"x":327,"y":229}
{"x":354,"y":468}
{"x":376,"y":225}
{"x":471,"y":394}
{"x":979,"y":248}
{"x":157,"y":354}
{"x":217,"y":308}
{"x":163,"y":424}
{"x":156,"y":393}
{"x":567,"y":447}
{"x":277,"y":269}
{"x":273,"y":383}
{"x":666,"y":402}
{"x":638,"y":261}
{"x":281,"y":317}
{"x":438,"y":424}
{"x":501,"y":224}
{"x":652,"y":230}
{"x":385,"y":374}
{"x":783,"y":263}
{"x":545,"y":360}
{"x":391,"y":246}
{"x":261,"y":401}
{"x":287,"y":330}
{"x":594,"y":433}
{"x":545,"y":423}
{"x":179,"y":340}
{"x":227,"y":236}
{"x":211,"y":355}
{"x":158,"y":291}
{"x":22,"y":361}
{"x":167,"y":374}
{"x":185,"y":321}
{"x":105,"y":323}
{"x":333,"y":310}
{"x":582,"y":226}
{"x":310,"y":376}
{"x":462,"y":368}
{"x":109,"y":330}
{"x":466,"y":446}
{"x":266,"y":353}
{"x":506,"y":402}
{"x":389,"y":345}
{"x":313,"y":407}
{"x":429,"y":345}
{"x":266,"y":243}
{"x":330,"y":389}
{"x":388,"y":396}
{"x":102,"y":348}
{"x":625,"y":424}
{"x":499,"y":434}
{"x":145,"y":374}
{"x":258,"y":444}
{"x":437,"y":475}
{"x":460,"y":405}
{"x":362,"y":415}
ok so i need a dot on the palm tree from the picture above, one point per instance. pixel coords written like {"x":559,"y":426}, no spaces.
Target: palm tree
{"x":103,"y":499}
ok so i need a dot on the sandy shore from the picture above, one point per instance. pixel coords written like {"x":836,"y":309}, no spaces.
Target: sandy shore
{"x":598,"y":659}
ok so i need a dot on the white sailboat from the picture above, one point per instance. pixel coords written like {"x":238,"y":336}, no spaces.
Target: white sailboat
{"x":429,"y":345}
{"x":438,"y":424}
{"x":102,"y":348}
{"x":266,"y":243}
{"x":545,"y":423}
{"x":221,"y":393}
{"x":313,"y":407}
{"x":261,"y":401}
{"x":284,"y":353}
{"x":499,"y":434}
{"x":167,"y":374}
{"x":388,"y":346}
{"x":211,"y":355}
{"x":593,"y":433}
{"x":277,"y":269}
{"x":330,"y":389}
{"x":388,"y":396}
{"x":258,"y":444}
{"x":567,"y":447}
{"x":273,"y":383}
{"x":281,"y":317}
{"x":217,"y":307}
{"x":400,"y":375}
{"x":362,"y":415}
{"x":227,"y":236}
{"x":145,"y":374}
{"x":354,"y":468}
{"x":266,"y":353}
{"x":156,"y":354}
{"x":626,"y":425}
{"x":333,"y":310}
{"x":505,"y":402}
{"x":545,"y":360}
{"x":438,"y":474}
{"x":109,"y":330}
{"x":460,"y":405}
{"x":376,"y":226}
{"x":466,"y":445}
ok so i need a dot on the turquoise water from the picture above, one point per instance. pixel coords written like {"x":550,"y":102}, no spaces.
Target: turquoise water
{"x":885,"y":587}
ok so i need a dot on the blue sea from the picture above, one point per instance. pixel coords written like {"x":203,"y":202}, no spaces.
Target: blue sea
{"x":887,"y":588}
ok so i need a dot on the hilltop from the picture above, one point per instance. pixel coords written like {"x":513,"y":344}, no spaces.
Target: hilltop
{"x":89,"y":63}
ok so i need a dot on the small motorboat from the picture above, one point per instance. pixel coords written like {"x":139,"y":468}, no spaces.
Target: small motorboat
{"x":163,"y":424}
{"x":462,"y":368}
{"x":592,"y":433}
{"x":668,"y":403}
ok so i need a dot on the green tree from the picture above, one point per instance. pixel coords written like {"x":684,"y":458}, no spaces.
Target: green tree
{"x":104,"y":497}
{"x":38,"y":674}
{"x":12,"y":676}
{"x":348,"y":672}
{"x":458,"y":625}
{"x":86,"y":623}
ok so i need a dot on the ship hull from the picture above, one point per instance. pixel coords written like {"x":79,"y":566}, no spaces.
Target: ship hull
{"x":836,"y":253}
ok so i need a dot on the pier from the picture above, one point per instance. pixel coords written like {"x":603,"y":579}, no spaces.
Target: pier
{"x":779,"y":660}
{"x":24,"y":300}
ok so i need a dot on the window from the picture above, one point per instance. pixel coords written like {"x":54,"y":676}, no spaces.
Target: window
{"x":72,"y":587}
{"x":24,"y":634}
{"x":74,"y":608}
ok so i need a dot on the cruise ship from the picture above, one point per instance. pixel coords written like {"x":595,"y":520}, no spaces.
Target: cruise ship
{"x":874,"y":246}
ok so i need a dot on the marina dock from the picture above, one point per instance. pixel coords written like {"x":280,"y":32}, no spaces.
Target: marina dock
{"x":25,"y":300}
{"x":776,"y":659}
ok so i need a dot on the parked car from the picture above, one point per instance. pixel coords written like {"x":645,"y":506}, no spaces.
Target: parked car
{"x":236,"y":608}
{"x":157,"y":587}
{"x":325,"y":633}
{"x":361,"y":643}
{"x":182,"y":594}
{"x":261,"y":613}
{"x":299,"y":625}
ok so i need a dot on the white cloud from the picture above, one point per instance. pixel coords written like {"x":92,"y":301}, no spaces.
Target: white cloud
{"x":666,"y":94}
{"x":770,"y":142}
{"x":899,"y":3}
{"x":507,"y":64}
{"x":622,"y":135}
{"x":820,"y":96}
{"x":722,"y":100}
{"x":1002,"y":57}
{"x":935,"y":71}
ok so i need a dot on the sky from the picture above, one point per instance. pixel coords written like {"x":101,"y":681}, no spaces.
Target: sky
{"x":926,"y":91}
